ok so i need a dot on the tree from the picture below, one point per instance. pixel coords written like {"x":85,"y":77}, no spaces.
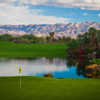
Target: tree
{"x":32,"y":39}
{"x":93,"y":36}
{"x":48,"y":38}
{"x":73,"y":43}
{"x":92,"y":32}
{"x":52,"y":36}
{"x":67,"y":38}
{"x":98,"y":36}
{"x":6,"y":37}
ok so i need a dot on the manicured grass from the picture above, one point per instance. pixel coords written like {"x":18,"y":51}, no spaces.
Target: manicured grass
{"x":36,"y":88}
{"x":97,"y":61}
{"x":32,"y":50}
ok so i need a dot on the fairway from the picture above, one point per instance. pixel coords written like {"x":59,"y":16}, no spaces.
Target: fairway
{"x":36,"y":88}
{"x":13,"y":50}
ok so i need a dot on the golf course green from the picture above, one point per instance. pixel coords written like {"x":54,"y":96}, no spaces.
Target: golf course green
{"x":39,"y":88}
{"x":13,"y":50}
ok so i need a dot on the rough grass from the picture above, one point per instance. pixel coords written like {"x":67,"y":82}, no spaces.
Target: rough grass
{"x":36,"y":88}
{"x":32,"y":50}
{"x":97,"y":61}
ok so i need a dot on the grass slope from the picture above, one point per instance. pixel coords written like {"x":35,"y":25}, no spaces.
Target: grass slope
{"x":36,"y":88}
{"x":32,"y":50}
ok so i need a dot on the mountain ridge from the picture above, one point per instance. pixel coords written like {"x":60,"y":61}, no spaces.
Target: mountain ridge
{"x":67,"y":30}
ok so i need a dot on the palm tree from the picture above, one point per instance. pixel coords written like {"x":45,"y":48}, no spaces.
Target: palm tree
{"x":98,"y":36}
{"x":92,"y":31}
{"x":93,"y":36}
{"x":52,"y":36}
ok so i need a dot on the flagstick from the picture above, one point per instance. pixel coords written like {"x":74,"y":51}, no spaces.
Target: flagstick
{"x":20,"y":70}
{"x":20,"y":81}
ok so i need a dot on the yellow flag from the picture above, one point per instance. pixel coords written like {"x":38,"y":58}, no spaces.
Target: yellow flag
{"x":20,"y":69}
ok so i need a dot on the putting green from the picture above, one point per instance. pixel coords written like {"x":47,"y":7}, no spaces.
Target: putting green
{"x":38,"y":88}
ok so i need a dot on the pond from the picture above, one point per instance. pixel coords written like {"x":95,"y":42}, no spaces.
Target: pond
{"x":38,"y":67}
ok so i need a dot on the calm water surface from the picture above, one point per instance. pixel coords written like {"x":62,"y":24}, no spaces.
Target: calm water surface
{"x":38,"y":67}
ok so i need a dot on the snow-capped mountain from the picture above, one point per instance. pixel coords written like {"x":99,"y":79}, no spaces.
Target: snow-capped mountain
{"x":70,"y":29}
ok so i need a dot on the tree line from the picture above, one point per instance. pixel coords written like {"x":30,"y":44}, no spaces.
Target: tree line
{"x":82,"y":51}
{"x":30,"y":38}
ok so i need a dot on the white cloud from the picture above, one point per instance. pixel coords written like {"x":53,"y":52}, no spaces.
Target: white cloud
{"x":7,"y":1}
{"x":85,"y":14}
{"x":99,"y":15}
{"x":34,"y":2}
{"x":86,"y":4}
{"x":21,"y":15}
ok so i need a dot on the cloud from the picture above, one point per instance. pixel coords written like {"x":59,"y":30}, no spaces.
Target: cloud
{"x":21,"y":14}
{"x":7,"y":1}
{"x":34,"y":2}
{"x":84,"y":4}
{"x":10,"y":14}
{"x":85,"y":14}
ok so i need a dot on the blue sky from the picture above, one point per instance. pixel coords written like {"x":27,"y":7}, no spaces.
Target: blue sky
{"x":74,"y":14}
{"x":48,"y":11}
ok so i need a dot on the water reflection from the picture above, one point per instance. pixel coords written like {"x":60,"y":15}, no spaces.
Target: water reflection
{"x":84,"y":66}
{"x":38,"y":67}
